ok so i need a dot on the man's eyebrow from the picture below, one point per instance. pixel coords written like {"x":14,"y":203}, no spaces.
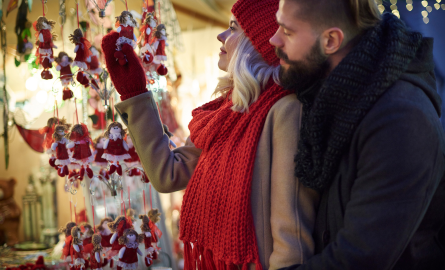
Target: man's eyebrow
{"x":234,"y":23}
{"x":284,"y":26}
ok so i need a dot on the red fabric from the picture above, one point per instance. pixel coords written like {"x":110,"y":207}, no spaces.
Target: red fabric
{"x":47,"y":39}
{"x":93,"y":263}
{"x":61,"y":151}
{"x":130,"y":255}
{"x":133,"y":154}
{"x":116,"y":147}
{"x":147,"y":241}
{"x":126,"y":31}
{"x":77,"y":137}
{"x":86,"y":241}
{"x":34,"y":138}
{"x":65,"y":72}
{"x":120,"y":74}
{"x":94,"y":64}
{"x":98,"y":157}
{"x":77,"y":255}
{"x":155,"y":232}
{"x":221,"y":182}
{"x":160,"y":50}
{"x":257,"y":19}
{"x":88,"y":248}
{"x":82,"y":150}
{"x":66,"y":248}
{"x":105,"y":242}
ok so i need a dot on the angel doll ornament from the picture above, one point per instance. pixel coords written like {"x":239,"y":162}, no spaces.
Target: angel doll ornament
{"x":146,"y":38}
{"x":59,"y":147}
{"x":48,"y":130}
{"x":66,"y":75}
{"x":126,"y":36}
{"x":94,"y":66}
{"x":120,"y":224}
{"x":66,"y":256}
{"x":116,"y":149}
{"x":82,"y":51}
{"x":96,"y":262}
{"x":146,"y":234}
{"x":128,"y":254}
{"x":80,"y":145}
{"x":159,"y":48}
{"x":105,"y":232}
{"x":99,"y":161}
{"x":77,"y":248}
{"x":156,"y":234}
{"x":45,"y":44}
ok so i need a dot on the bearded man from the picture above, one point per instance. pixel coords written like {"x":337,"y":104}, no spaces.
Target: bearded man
{"x":371,"y":140}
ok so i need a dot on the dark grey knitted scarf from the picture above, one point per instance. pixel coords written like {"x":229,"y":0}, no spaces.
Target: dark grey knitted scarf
{"x":333,"y":110}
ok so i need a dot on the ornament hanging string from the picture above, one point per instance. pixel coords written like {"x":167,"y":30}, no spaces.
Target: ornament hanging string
{"x":77,"y":12}
{"x":151,"y":200}
{"x":143,"y":195}
{"x":75,"y":104}
{"x":61,"y":33}
{"x":129,"y":200}
{"x":159,"y":11}
{"x":123,"y":203}
{"x":75,"y":212}
{"x":43,"y":8}
{"x":57,"y":110}
{"x":71,"y":208}
{"x":126,"y":5}
{"x":105,"y":202}
{"x":112,"y":106}
{"x":85,"y":212}
{"x":92,"y":209}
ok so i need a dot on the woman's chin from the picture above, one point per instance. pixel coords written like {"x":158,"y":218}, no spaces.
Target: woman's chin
{"x":222,"y":65}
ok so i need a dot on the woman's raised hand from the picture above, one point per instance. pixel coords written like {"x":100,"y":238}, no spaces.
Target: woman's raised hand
{"x":129,"y":80}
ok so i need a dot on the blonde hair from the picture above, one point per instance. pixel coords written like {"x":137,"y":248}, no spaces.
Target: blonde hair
{"x":247,"y":75}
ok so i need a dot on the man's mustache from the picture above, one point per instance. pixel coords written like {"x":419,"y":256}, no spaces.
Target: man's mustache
{"x":280,"y":54}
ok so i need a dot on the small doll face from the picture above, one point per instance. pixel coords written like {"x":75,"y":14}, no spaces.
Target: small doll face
{"x":45,"y":25}
{"x":128,"y":21}
{"x":100,"y":144}
{"x":152,"y":23}
{"x":131,"y":238}
{"x":61,"y":132}
{"x":129,"y":141}
{"x":115,"y":130}
{"x":65,"y":59}
{"x":163,"y":32}
{"x":86,"y":231}
{"x":78,"y":234}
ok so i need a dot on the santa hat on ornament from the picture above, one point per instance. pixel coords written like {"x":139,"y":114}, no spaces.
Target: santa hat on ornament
{"x":257,"y":19}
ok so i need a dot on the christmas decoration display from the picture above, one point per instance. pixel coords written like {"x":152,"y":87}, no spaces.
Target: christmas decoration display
{"x":128,"y":254}
{"x":99,"y":161}
{"x":66,"y":75}
{"x":80,"y":141}
{"x":95,"y":258}
{"x":146,"y":234}
{"x":126,"y":36}
{"x":116,"y":149}
{"x":77,"y":248}
{"x":45,"y":44}
{"x":134,"y":162}
{"x":82,"y":51}
{"x":66,"y":255}
{"x":59,"y":147}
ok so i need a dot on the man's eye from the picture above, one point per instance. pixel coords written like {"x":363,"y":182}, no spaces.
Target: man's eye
{"x":232,"y":28}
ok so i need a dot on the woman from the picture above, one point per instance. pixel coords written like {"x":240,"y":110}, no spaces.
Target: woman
{"x":243,"y":207}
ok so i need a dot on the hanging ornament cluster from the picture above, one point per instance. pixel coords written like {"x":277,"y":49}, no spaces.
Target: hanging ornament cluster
{"x":44,"y":41}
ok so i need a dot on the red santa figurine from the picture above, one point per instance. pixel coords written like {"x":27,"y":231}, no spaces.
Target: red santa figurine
{"x":126,"y":36}
{"x":59,"y":147}
{"x":146,"y":234}
{"x":66,"y":75}
{"x":116,"y":149}
{"x":128,"y":254}
{"x":82,"y":51}
{"x":99,"y":161}
{"x":44,"y":41}
{"x":81,"y":152}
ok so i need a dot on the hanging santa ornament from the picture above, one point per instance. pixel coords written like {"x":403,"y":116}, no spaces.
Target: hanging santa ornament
{"x":146,"y":38}
{"x":116,"y":149}
{"x":59,"y":147}
{"x":66,"y":75}
{"x":80,"y":145}
{"x":82,"y":51}
{"x":126,"y":38}
{"x":44,"y":41}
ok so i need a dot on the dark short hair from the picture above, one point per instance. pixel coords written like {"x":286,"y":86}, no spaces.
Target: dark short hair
{"x":352,"y":16}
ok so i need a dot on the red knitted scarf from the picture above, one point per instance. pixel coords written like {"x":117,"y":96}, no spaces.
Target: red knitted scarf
{"x":216,"y":216}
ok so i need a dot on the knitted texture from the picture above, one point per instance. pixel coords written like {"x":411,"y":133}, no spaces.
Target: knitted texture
{"x":332,"y":113}
{"x":216,"y":214}
{"x":129,"y":79}
{"x":257,"y":19}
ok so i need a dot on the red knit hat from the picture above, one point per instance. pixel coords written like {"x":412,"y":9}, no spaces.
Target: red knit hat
{"x":257,"y":19}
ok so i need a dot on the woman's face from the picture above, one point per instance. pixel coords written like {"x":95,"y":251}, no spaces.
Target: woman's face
{"x":229,"y":40}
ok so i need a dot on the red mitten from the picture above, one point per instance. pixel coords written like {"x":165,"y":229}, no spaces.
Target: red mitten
{"x":129,"y":79}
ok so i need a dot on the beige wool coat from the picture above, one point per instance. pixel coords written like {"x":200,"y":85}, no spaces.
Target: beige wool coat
{"x":283,"y":209}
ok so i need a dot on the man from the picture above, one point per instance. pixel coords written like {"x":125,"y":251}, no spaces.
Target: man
{"x":371,"y":140}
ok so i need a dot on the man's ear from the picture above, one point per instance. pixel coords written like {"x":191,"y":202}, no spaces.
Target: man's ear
{"x":332,"y":40}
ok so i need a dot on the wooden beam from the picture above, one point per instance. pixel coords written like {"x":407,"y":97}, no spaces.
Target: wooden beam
{"x":198,"y":16}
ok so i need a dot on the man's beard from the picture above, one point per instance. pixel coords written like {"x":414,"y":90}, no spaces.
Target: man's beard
{"x":302,"y":75}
